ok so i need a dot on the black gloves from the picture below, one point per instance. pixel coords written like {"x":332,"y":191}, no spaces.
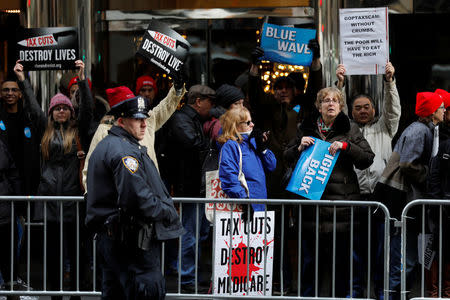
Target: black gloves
{"x":261,"y":145}
{"x":257,"y":53}
{"x":315,"y":48}
{"x":248,"y":208}
{"x":178,"y":81}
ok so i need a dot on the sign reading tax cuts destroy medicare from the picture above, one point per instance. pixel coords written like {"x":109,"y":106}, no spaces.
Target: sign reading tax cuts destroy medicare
{"x":250,"y":247}
{"x":48,"y":48}
{"x":287,"y":45}
{"x":364,"y":41}
{"x":313,"y":169}
{"x":164,"y":47}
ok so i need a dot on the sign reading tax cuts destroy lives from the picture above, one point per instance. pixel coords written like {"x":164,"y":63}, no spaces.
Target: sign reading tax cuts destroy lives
{"x":313,"y":170}
{"x":48,"y":48}
{"x":287,"y":45}
{"x":252,"y":249}
{"x":164,"y":47}
{"x":364,"y":40}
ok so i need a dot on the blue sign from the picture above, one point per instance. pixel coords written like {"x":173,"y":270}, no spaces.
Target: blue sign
{"x":287,"y":45}
{"x":312,"y":171}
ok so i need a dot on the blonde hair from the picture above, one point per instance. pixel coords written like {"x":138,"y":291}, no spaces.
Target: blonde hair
{"x":68,"y":134}
{"x":330,"y":90}
{"x":229,"y":122}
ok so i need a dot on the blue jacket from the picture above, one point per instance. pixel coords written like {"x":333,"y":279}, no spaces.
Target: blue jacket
{"x":254,"y":166}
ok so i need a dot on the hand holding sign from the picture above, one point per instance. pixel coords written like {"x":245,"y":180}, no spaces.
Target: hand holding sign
{"x":305,"y":142}
{"x":79,"y":64}
{"x":335,"y":147}
{"x":18,"y":70}
{"x":340,"y":74}
{"x":389,"y":71}
{"x":314,"y":168}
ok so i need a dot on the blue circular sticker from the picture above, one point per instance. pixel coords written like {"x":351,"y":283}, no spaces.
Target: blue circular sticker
{"x":2,"y":125}
{"x":27,"y":132}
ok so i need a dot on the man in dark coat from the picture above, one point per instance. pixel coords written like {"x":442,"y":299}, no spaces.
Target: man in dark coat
{"x":9,"y":185}
{"x":128,"y":205}
{"x":188,"y":146}
{"x":22,"y":123}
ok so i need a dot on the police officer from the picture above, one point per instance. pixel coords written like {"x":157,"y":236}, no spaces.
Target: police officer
{"x":128,"y":206}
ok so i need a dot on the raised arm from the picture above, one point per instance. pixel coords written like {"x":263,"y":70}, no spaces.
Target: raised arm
{"x":391,"y":108}
{"x":30,"y":104}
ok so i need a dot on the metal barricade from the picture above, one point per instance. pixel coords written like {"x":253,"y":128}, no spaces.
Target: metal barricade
{"x":301,"y":208}
{"x":38,"y":286}
{"x":425,"y":212}
{"x":298,"y":205}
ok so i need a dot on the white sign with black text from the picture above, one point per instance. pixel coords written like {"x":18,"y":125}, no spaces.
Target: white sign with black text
{"x":364,"y":40}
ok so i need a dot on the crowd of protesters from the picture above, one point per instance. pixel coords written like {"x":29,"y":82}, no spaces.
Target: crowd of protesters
{"x":258,"y":135}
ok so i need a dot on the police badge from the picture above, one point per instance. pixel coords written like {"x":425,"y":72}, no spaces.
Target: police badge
{"x":130,"y":163}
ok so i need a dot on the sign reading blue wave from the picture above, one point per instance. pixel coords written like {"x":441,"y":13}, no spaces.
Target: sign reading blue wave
{"x":287,"y":45}
{"x":312,"y":171}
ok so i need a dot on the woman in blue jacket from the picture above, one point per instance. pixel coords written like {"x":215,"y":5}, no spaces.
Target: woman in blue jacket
{"x":238,"y":133}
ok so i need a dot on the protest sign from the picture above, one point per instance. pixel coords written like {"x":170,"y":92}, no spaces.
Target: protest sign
{"x":312,"y":171}
{"x":48,"y":48}
{"x":364,"y":40}
{"x":251,"y":256}
{"x":287,"y":45}
{"x":164,"y":47}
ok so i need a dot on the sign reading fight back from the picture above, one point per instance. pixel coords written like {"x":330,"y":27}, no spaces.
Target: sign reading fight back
{"x":312,"y":171}
{"x":164,"y":47}
{"x":48,"y":48}
{"x":287,"y":45}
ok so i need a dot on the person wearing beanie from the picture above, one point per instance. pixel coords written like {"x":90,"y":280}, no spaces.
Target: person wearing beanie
{"x":128,"y":200}
{"x":405,"y":176}
{"x":227,"y":97}
{"x":146,"y":87}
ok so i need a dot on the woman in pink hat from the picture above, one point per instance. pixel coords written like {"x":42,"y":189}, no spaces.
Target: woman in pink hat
{"x":62,"y":159}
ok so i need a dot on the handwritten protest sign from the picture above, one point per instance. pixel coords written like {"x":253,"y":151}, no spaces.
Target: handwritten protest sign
{"x":47,"y":48}
{"x":249,"y":254}
{"x":286,"y":44}
{"x":364,"y":40}
{"x":313,"y":170}
{"x":164,"y":47}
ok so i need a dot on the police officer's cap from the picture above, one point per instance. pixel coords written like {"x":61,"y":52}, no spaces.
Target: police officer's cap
{"x":201,"y":91}
{"x":126,"y":105}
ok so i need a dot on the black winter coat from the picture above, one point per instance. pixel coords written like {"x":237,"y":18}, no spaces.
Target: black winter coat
{"x":9,"y":182}
{"x":343,"y":183}
{"x":187,"y":149}
{"x":33,"y":122}
{"x":122,"y":175}
{"x":60,"y":175}
{"x":439,"y":179}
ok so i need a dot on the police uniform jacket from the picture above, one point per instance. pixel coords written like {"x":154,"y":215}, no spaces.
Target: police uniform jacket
{"x":122,"y":175}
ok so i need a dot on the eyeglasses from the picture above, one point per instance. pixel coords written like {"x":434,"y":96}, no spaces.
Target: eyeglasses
{"x":62,"y":107}
{"x":14,"y":90}
{"x":330,"y":100}
{"x":247,"y":122}
{"x":442,"y":107}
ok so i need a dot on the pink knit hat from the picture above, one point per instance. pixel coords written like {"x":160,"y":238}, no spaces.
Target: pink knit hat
{"x":60,"y":99}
